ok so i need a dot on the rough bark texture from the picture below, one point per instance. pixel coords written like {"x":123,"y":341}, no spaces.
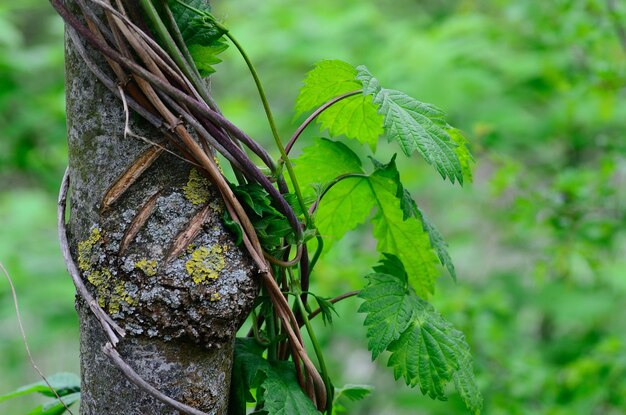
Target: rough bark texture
{"x":181,"y":316}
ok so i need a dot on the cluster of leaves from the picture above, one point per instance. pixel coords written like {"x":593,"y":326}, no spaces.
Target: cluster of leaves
{"x":425,"y":349}
{"x":66,"y":393}
{"x":344,"y":196}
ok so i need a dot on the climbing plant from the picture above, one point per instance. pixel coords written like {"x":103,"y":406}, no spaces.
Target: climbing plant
{"x":288,"y":212}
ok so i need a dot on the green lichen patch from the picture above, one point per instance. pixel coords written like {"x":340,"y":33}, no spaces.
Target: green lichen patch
{"x":118,"y":296}
{"x":206,"y":263}
{"x":197,"y":188}
{"x":86,"y":248}
{"x":215,"y":297}
{"x":148,"y":266}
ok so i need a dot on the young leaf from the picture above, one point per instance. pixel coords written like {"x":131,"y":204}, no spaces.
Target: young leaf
{"x":416,"y":126}
{"x":388,"y":309}
{"x":349,"y":393}
{"x":346,"y":205}
{"x":323,"y":161}
{"x":326,"y":308}
{"x":439,"y":245}
{"x":354,"y":117}
{"x":463,"y":153}
{"x":410,"y":209}
{"x":276,"y":383}
{"x":57,"y":406}
{"x":282,"y":393}
{"x":63,"y":384}
{"x":353,"y":392}
{"x":329,"y":79}
{"x":203,"y":37}
{"x":426,"y":350}
{"x":404,"y":238}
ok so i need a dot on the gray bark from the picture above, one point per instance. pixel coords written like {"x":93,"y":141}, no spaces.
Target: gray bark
{"x":180,"y":326}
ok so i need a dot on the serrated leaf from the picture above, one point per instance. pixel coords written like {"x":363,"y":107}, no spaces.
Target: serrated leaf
{"x":463,"y":153}
{"x":388,"y":311}
{"x":353,"y":392}
{"x":354,"y":117}
{"x":428,"y":351}
{"x":404,"y":238}
{"x":282,"y":393}
{"x":63,"y":384}
{"x":205,"y":57}
{"x":347,"y":205}
{"x":329,"y":79}
{"x":326,"y":309}
{"x":57,"y":406}
{"x":276,"y":383}
{"x":439,"y":245}
{"x":415,"y":125}
{"x":410,"y":209}
{"x":322,"y":162}
{"x":349,"y":392}
{"x":203,"y":38}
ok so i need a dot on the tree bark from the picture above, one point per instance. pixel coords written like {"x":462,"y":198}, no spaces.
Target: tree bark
{"x":181,"y":315}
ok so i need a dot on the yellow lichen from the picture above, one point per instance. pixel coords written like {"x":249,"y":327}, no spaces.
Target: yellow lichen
{"x":85,"y":249}
{"x":149,"y":267}
{"x":215,"y":297}
{"x":119,"y":296}
{"x":190,"y":248}
{"x":197,"y":188}
{"x":205,"y":264}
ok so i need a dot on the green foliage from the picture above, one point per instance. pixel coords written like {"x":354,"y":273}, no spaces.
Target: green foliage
{"x":271,"y":225}
{"x":355,"y":117}
{"x":415,"y":126}
{"x":397,"y":224}
{"x":275,"y":383}
{"x":204,"y":39}
{"x":66,"y":386}
{"x":350,"y":393}
{"x":328,"y":80}
{"x":425,"y":349}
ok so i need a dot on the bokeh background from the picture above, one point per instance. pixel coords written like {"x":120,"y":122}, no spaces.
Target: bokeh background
{"x":538,"y":240}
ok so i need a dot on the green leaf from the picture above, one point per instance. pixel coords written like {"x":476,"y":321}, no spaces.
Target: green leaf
{"x":349,"y":202}
{"x":326,"y":309}
{"x":205,"y":57}
{"x":350,"y":393}
{"x":388,"y":309}
{"x":463,"y":153}
{"x":271,"y":225}
{"x":410,"y":209}
{"x":354,"y":117}
{"x":353,"y":392}
{"x":404,"y":238}
{"x":416,"y":126}
{"x":346,"y":205}
{"x":439,"y":245}
{"x":322,"y":162}
{"x":63,"y":384}
{"x":204,"y":39}
{"x":276,"y":383}
{"x":282,"y":393}
{"x":329,"y":79}
{"x":426,"y":350}
{"x":57,"y":406}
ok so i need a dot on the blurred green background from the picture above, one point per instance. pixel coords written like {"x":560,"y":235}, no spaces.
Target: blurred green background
{"x":538,"y":240}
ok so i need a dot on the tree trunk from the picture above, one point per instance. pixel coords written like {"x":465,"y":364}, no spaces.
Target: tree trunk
{"x":181,"y":315}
